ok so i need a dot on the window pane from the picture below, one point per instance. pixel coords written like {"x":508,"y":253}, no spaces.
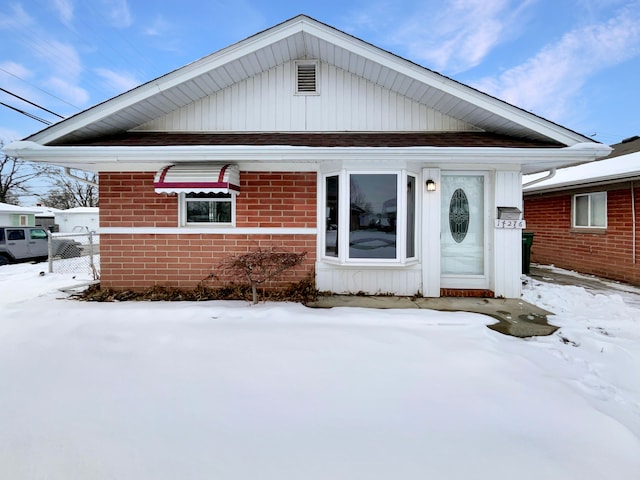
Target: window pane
{"x":411,"y":217}
{"x":15,"y":235}
{"x":598,"y":209}
{"x":582,"y":210}
{"x":331,"y":209}
{"x":372,"y":216}
{"x":462,"y":242}
{"x":38,"y":233}
{"x":212,"y":208}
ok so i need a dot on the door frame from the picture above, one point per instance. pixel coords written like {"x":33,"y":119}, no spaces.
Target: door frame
{"x":432,"y":278}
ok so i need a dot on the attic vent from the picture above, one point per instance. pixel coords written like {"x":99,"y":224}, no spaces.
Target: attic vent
{"x":306,"y":80}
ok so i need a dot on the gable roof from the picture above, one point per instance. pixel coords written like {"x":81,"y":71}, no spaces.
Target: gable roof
{"x":302,"y":38}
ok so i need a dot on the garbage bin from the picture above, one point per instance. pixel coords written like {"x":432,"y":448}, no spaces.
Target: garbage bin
{"x":527,"y":241}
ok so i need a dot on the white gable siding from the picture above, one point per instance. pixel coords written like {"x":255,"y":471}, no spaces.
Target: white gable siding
{"x":267,"y":102}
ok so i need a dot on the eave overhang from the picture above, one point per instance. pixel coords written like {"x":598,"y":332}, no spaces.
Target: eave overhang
{"x":145,"y":158}
{"x":599,"y":182}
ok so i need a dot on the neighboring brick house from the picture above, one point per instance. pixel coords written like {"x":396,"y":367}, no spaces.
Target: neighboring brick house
{"x":388,"y":174}
{"x":585,"y":218}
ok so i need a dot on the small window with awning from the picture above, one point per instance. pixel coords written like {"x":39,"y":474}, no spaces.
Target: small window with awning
{"x":198,"y":178}
{"x":206,"y":192}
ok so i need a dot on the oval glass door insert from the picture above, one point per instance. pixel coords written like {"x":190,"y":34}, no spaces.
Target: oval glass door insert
{"x":459,"y":215}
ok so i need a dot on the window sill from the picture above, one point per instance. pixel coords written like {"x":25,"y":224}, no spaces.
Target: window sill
{"x":592,"y":230}
{"x":208,"y":225}
{"x":373,"y":263}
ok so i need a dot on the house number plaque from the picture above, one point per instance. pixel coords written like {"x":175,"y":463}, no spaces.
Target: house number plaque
{"x":519,"y":224}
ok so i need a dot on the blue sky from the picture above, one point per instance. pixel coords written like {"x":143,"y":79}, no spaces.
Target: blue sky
{"x":574,"y":62}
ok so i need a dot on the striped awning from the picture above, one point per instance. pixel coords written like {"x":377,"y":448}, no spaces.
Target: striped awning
{"x":198,"y":178}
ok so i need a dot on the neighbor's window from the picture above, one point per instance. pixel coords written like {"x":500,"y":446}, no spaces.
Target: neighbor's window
{"x":202,"y":208}
{"x":590,"y":210}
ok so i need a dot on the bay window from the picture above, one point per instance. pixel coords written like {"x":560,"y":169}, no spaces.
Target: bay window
{"x":370,"y":217}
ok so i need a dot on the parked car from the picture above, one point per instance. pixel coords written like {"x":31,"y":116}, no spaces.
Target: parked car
{"x":19,"y":244}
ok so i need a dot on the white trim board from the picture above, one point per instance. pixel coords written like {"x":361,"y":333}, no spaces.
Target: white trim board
{"x":205,"y":231}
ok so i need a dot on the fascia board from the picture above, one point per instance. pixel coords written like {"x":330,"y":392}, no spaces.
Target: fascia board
{"x":531,"y":160}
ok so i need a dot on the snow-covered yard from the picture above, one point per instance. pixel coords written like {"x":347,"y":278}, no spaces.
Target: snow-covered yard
{"x":227,"y":390}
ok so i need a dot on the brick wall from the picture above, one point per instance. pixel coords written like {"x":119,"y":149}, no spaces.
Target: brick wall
{"x":138,"y":261}
{"x":608,"y":254}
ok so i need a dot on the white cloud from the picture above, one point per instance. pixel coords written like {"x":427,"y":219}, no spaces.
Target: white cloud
{"x":546,"y":83}
{"x":118,"y":13}
{"x":65,"y":9}
{"x":15,"y":69}
{"x":62,"y":58}
{"x":159,"y":27}
{"x":68,"y":90}
{"x":16,"y":19}
{"x":461,"y":34}
{"x":118,"y":82}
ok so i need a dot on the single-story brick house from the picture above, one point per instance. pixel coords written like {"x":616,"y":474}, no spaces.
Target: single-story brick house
{"x":585,"y":218}
{"x":394,"y":178}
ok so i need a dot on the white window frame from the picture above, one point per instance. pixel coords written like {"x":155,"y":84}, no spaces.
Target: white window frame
{"x":574,"y":211}
{"x":182,"y":217}
{"x":344,"y":200}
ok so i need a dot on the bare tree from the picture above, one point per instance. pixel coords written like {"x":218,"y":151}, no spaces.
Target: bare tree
{"x":69,"y":192}
{"x":261,"y":265}
{"x":15,"y":175}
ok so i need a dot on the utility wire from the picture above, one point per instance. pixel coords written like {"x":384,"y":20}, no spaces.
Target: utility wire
{"x":35,"y":86}
{"x":31,"y":103}
{"x":30,"y":115}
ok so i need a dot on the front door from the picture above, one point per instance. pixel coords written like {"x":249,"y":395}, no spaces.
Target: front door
{"x":463,"y":228}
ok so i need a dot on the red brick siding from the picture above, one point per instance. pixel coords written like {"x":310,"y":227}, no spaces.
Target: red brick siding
{"x":608,"y":254}
{"x":138,"y":261}
{"x":144,"y":260}
{"x":276,"y":200}
{"x":129,"y":200}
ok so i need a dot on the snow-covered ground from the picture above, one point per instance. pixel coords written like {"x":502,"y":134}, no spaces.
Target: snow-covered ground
{"x":227,"y":390}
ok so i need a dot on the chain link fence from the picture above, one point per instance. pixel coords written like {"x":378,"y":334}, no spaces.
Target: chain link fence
{"x":77,"y":253}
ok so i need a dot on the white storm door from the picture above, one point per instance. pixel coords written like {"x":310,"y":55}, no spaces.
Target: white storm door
{"x":463,"y":234}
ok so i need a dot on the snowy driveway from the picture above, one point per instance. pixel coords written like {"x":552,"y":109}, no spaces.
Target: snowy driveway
{"x":226,"y":390}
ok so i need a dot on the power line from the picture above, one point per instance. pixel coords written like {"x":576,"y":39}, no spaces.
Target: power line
{"x":30,"y":115}
{"x":31,"y":103}
{"x":35,"y":86}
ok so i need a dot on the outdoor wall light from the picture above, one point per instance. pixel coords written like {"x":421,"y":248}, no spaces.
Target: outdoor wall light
{"x":431,"y":186}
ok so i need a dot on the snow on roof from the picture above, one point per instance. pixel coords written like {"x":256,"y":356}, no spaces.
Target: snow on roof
{"x":95,"y":210}
{"x":609,"y":169}
{"x":43,"y":211}
{"x":7,"y":208}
